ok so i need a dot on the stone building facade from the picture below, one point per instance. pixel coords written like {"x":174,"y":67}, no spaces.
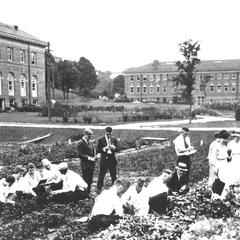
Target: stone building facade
{"x":22,"y":68}
{"x":153,"y":82}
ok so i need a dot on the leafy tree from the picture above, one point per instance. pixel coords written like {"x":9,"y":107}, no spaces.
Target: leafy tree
{"x":118,"y":84}
{"x":88,"y":77}
{"x":187,"y":70}
{"x":68,"y":75}
{"x":203,"y":84}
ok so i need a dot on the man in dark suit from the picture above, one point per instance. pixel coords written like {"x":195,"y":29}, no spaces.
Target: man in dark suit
{"x":86,"y":153}
{"x":179,"y":181}
{"x":107,"y":146}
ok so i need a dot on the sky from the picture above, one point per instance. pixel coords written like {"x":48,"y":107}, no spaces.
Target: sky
{"x":115,"y":35}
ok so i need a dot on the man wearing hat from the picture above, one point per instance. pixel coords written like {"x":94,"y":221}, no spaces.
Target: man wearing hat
{"x":74,"y":187}
{"x":107,"y":147}
{"x":183,"y":149}
{"x":86,"y":153}
{"x":179,"y":182}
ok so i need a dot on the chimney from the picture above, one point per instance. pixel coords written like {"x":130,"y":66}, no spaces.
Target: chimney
{"x":156,"y":63}
{"x":15,"y":27}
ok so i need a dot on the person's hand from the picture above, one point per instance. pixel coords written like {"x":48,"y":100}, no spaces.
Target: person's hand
{"x":91,"y":159}
{"x":112,"y":147}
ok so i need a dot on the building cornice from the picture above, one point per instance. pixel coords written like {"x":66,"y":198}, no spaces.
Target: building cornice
{"x":25,"y":40}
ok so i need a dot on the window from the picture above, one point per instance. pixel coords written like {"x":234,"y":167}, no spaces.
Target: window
{"x":138,"y":78}
{"x":10,"y":54}
{"x":219,"y":76}
{"x":212,"y":75}
{"x":219,"y":87}
{"x":234,"y":76}
{"x":144,"y":89}
{"x":23,"y":91}
{"x":10,"y":79}
{"x":24,"y":102}
{"x":211,"y":88}
{"x":157,"y":78}
{"x":164,"y":89}
{"x":233,"y":87}
{"x":226,"y":76}
{"x":34,"y":58}
{"x":158,"y":89}
{"x":35,"y":102}
{"x":22,"y":56}
{"x":138,"y":89}
{"x":151,"y":78}
{"x":131,"y":89}
{"x":131,"y":77}
{"x":151,"y":89}
{"x":164,"y":76}
{"x":34,"y":86}
{"x":225,"y":87}
{"x":144,"y":77}
{"x":12,"y":102}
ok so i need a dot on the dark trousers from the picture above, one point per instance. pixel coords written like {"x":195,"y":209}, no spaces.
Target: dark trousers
{"x":101,"y":222}
{"x":158,"y":203}
{"x":87,"y":175}
{"x":107,"y":164}
{"x":185,"y":159}
{"x":67,"y":197}
{"x":41,"y":189}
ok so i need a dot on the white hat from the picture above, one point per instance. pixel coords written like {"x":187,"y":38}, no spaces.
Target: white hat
{"x":182,"y":166}
{"x":45,"y":162}
{"x":62,"y":165}
{"x":235,"y":135}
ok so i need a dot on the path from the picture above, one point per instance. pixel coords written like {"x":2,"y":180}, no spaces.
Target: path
{"x":156,"y":125}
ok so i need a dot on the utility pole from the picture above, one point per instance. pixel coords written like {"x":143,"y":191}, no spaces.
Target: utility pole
{"x":48,"y":66}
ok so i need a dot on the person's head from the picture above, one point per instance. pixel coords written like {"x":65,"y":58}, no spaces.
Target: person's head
{"x":63,"y":167}
{"x":236,"y":137}
{"x":19,"y":171}
{"x":140,"y":183}
{"x":184,"y":131}
{"x":31,"y":168}
{"x":166,"y":175}
{"x":118,"y":184}
{"x":88,"y":134}
{"x":46,"y":164}
{"x":181,"y":169}
{"x":108,"y":131}
{"x":223,"y":136}
{"x":10,"y":180}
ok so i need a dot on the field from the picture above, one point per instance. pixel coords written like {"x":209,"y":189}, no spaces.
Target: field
{"x":194,"y":216}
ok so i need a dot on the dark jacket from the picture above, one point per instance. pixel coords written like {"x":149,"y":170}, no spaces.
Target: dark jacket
{"x":102,"y":143}
{"x":175,"y":183}
{"x":86,"y":150}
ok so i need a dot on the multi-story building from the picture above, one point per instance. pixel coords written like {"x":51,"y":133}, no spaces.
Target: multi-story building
{"x":22,"y":67}
{"x":216,"y":81}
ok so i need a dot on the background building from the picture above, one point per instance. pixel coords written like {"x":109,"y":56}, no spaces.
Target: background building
{"x":22,"y":68}
{"x":153,"y":82}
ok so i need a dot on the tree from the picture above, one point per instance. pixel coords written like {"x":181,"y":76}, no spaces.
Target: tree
{"x":203,"y":83}
{"x":118,"y":84}
{"x":69,"y":76}
{"x":88,"y":77}
{"x":187,"y":70}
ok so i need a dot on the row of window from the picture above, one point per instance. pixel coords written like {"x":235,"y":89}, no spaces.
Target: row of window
{"x":22,"y":54}
{"x":151,"y":89}
{"x":166,"y":76}
{"x":226,"y":87}
{"x":23,"y":85}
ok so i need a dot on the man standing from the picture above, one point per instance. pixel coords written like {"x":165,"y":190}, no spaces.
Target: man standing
{"x":107,"y":146}
{"x":184,"y":149}
{"x":86,"y":153}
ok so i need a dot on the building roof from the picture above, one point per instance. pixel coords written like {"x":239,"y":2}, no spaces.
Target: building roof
{"x":203,"y":66}
{"x":13,"y":32}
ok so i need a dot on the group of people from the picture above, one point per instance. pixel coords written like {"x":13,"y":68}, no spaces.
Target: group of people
{"x":60,"y":184}
{"x":224,"y":163}
{"x":54,"y":181}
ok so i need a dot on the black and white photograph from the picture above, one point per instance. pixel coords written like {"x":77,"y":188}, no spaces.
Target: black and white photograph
{"x":120,"y":119}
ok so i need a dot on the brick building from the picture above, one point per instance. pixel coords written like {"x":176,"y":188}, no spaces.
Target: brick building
{"x":153,"y":82}
{"x":22,"y":67}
